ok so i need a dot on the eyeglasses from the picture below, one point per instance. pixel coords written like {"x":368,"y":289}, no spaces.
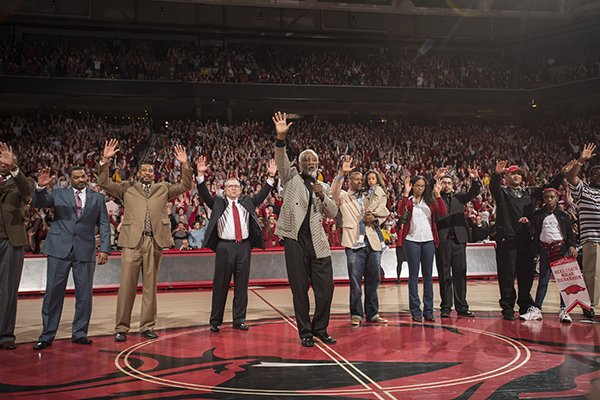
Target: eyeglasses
{"x":232,"y":185}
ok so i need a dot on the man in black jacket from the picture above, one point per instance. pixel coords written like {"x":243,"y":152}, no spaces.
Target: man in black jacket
{"x":232,"y":232}
{"x":514,"y":208}
{"x":451,"y":254}
{"x":553,"y":238}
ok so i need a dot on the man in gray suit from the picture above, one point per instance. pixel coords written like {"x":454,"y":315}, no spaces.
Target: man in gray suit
{"x":300,"y":223}
{"x":71,"y":244}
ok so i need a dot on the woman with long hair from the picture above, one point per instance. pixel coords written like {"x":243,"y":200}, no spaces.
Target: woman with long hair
{"x":419,"y":240}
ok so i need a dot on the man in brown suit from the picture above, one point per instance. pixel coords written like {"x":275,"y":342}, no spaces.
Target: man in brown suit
{"x":145,"y":231}
{"x":15,"y":189}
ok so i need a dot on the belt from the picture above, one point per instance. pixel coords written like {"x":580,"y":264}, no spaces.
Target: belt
{"x":232,"y":241}
{"x":147,"y":234}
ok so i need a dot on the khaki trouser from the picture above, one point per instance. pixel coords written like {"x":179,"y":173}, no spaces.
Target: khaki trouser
{"x":146,"y":255}
{"x":591,"y":270}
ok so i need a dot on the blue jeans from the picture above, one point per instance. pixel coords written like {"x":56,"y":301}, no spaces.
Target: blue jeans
{"x":364,"y":262}
{"x":420,"y":254}
{"x":544,"y":278}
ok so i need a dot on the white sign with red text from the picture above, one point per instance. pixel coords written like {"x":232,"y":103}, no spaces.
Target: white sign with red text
{"x":570,"y":283}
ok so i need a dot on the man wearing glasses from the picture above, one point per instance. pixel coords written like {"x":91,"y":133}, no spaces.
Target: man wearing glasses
{"x":232,"y":231}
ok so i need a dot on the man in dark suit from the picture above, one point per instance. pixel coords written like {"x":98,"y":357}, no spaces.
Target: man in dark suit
{"x":15,"y":189}
{"x":71,"y":244}
{"x":451,"y":254}
{"x":231,"y":233}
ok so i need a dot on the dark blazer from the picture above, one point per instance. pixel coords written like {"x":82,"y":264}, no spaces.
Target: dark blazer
{"x":218,"y":206}
{"x":69,"y":232}
{"x":13,"y":196}
{"x":564,"y":222}
{"x":455,"y":219}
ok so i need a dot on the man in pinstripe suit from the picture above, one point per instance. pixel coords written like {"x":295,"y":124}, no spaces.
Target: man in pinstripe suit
{"x":307,"y":253}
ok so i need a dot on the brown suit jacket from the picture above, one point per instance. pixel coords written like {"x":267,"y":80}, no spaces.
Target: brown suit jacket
{"x":14,"y":194}
{"x":135,"y":203}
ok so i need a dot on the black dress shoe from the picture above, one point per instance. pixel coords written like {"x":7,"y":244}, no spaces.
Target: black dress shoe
{"x":325,"y":338}
{"x":467,"y":313}
{"x":241,"y":327}
{"x":307,"y":342}
{"x":120,"y":337}
{"x":417,"y":318}
{"x":41,"y":345}
{"x":508,"y":315}
{"x":8,"y":345}
{"x":429,"y":318}
{"x":149,"y":334}
{"x":445,"y":313}
{"x":82,"y":340}
{"x":215,"y":328}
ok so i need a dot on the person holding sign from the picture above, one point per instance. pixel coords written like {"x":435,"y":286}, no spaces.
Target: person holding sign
{"x":553,"y":238}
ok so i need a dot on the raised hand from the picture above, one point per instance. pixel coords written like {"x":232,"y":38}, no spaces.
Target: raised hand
{"x":201,"y":165}
{"x":501,"y":166}
{"x":110,"y":149}
{"x":407,"y":186}
{"x":346,"y":165}
{"x":568,"y":166}
{"x":473,"y":172}
{"x":272,"y":168}
{"x":437,"y":190}
{"x":7,"y":157}
{"x":181,"y":154}
{"x":281,"y":125}
{"x":588,"y":152}
{"x":440,"y":173}
{"x":44,"y":177}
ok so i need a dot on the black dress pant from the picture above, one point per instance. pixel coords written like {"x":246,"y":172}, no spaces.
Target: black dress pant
{"x":514,"y":258}
{"x":400,"y":258}
{"x":302,"y":271}
{"x":451,"y":262}
{"x":232,"y":259}
{"x":11,"y":267}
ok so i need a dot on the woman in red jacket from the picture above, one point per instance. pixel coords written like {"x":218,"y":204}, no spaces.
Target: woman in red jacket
{"x":419,"y":240}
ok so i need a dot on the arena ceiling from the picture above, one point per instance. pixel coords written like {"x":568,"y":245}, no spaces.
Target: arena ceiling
{"x":499,"y":21}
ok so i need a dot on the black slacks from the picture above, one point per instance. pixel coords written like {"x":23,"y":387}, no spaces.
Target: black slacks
{"x":451,"y":262}
{"x":514,"y":258}
{"x":232,"y":259}
{"x":303,"y":271}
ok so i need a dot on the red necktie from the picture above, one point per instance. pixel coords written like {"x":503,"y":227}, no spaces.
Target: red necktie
{"x":237,"y":226}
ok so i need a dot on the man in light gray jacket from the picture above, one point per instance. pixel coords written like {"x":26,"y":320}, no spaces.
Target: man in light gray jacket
{"x":300,"y":224}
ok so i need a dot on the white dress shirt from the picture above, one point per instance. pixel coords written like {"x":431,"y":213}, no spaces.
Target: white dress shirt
{"x":420,"y":223}
{"x":225,"y":225}
{"x":550,"y":230}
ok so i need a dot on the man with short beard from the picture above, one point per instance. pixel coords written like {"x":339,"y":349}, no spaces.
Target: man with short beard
{"x":514,"y":208}
{"x":587,"y":198}
{"x":307,"y":253}
{"x":145,"y":231}
{"x":451,"y":254}
{"x":71,"y":246}
{"x":363,"y":262}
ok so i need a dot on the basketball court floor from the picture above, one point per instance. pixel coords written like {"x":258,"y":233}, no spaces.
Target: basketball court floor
{"x":455,"y":358}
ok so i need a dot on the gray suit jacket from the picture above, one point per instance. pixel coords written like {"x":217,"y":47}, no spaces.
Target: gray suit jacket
{"x":295,"y":206}
{"x":69,"y":232}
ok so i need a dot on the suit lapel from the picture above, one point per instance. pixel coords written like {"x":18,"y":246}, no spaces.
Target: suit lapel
{"x":70,"y":193}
